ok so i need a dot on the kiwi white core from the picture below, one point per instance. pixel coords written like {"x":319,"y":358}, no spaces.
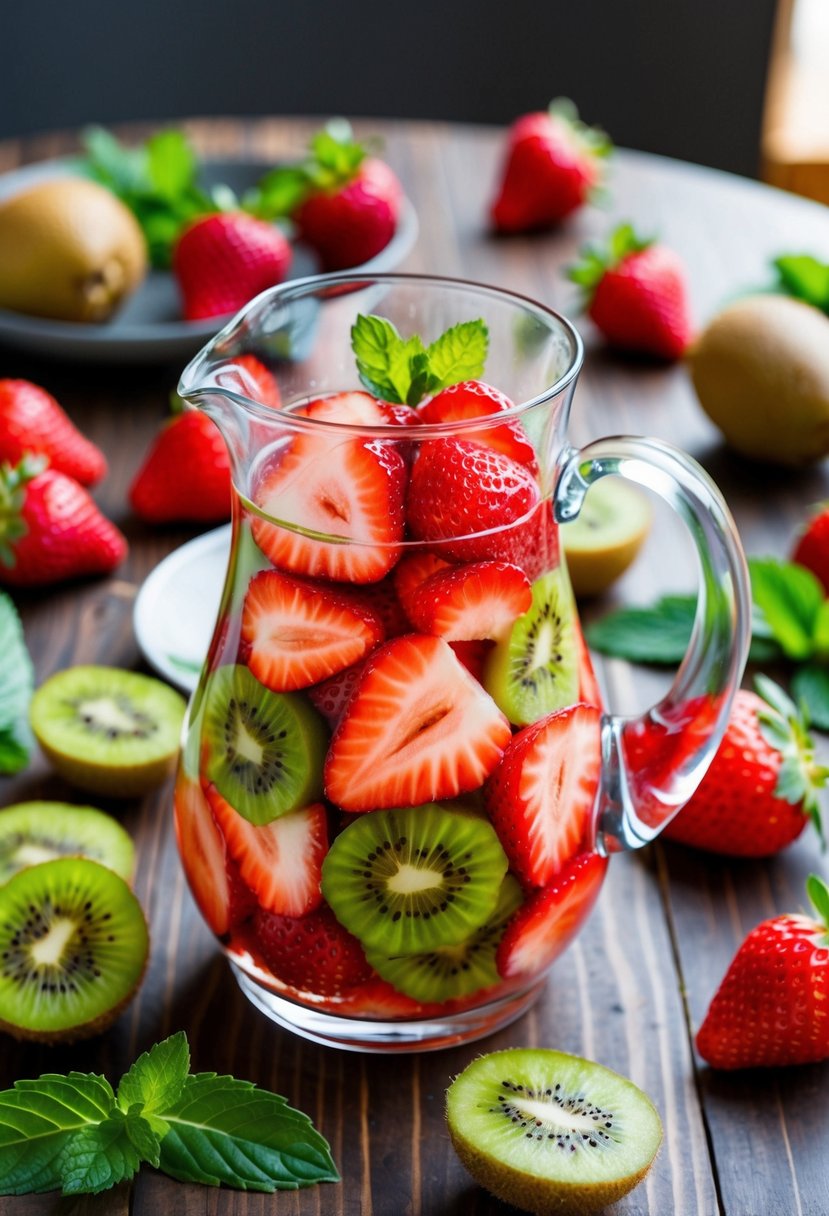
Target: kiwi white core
{"x":48,"y":952}
{"x":409,"y":880}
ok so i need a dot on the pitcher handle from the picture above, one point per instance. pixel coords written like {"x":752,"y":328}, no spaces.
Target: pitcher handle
{"x":652,"y":764}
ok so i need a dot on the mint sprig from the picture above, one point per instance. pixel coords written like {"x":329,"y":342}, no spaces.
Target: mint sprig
{"x":804,"y":277}
{"x":404,"y":371}
{"x":72,"y":1133}
{"x":16,"y":686}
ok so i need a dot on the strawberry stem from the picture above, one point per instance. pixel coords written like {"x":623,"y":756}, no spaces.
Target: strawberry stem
{"x":597,"y":259}
{"x":818,"y":893}
{"x":13,"y":481}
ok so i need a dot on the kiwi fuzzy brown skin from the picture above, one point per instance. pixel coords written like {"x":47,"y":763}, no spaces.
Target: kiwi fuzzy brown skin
{"x":92,"y":967}
{"x":551,"y":1186}
{"x":108,"y":731}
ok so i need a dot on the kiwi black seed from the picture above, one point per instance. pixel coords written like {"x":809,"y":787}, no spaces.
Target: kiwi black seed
{"x":406,"y":881}
{"x":265,"y":749}
{"x":73,"y":948}
{"x":109,"y":731}
{"x":534,"y":669}
{"x":449,"y":972}
{"x":34,"y":832}
{"x":550,"y":1132}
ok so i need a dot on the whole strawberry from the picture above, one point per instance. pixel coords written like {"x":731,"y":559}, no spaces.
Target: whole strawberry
{"x":50,"y":528}
{"x":635,"y":292}
{"x":772,"y":1008}
{"x":32,"y":421}
{"x":185,"y":476}
{"x":812,"y":546}
{"x":224,"y":259}
{"x":553,"y":163}
{"x":761,"y":788}
{"x":345,"y":203}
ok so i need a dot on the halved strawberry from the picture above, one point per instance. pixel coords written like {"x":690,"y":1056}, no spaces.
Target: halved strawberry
{"x":589,"y":690}
{"x":300,"y":633}
{"x":417,"y":728}
{"x":327,"y":485}
{"x":471,"y":499}
{"x":281,"y":861}
{"x":478,"y":600}
{"x":383,"y":599}
{"x":540,"y":797}
{"x":472,"y":655}
{"x":332,"y":695}
{"x":314,"y":953}
{"x":212,"y":876}
{"x":411,"y":571}
{"x":551,"y":918}
{"x":249,"y":376}
{"x":360,"y":409}
{"x":474,"y":399}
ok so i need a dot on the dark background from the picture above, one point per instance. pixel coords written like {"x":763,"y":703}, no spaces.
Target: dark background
{"x":681,"y":77}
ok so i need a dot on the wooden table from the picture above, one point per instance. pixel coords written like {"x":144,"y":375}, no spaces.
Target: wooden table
{"x":637,"y":982}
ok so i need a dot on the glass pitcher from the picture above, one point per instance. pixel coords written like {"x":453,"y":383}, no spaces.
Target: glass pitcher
{"x":398,"y":791}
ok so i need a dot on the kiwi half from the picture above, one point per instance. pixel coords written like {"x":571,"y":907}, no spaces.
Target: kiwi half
{"x":453,"y":971}
{"x":534,"y":669}
{"x":549,"y":1132}
{"x":606,"y":535}
{"x":409,"y":880}
{"x":109,"y":731}
{"x":73,"y":948}
{"x":265,"y":749}
{"x":34,"y":832}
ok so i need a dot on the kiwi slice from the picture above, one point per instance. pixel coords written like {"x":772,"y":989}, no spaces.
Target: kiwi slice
{"x":406,"y":881}
{"x":549,"y":1132}
{"x":109,"y":731}
{"x":34,"y":832}
{"x":606,"y":535}
{"x":73,"y":948}
{"x":453,"y":971}
{"x":265,"y":749}
{"x":534,"y":669}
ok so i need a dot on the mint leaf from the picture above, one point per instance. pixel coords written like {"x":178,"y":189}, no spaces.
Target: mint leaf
{"x":38,"y":1120}
{"x":145,"y":1135}
{"x":810,"y":688}
{"x":157,"y":1077}
{"x":790,"y":598}
{"x":228,"y":1131}
{"x":805,"y":278}
{"x":16,"y":686}
{"x":97,"y":1158}
{"x":171,"y":163}
{"x":458,"y":354}
{"x":657,"y":635}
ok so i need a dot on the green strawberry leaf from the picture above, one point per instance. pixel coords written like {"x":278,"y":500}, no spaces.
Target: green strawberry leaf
{"x":790,"y":598}
{"x":98,"y":1157}
{"x":38,"y":1120}
{"x":156,"y":1079}
{"x":228,"y":1131}
{"x":596,"y":259}
{"x":458,"y":354}
{"x":804,"y":277}
{"x":810,"y":685}
{"x":171,"y":163}
{"x":16,"y":687}
{"x":818,"y":893}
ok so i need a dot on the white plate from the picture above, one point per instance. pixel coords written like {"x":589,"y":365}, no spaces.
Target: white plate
{"x":176,"y":608}
{"x":148,"y":328}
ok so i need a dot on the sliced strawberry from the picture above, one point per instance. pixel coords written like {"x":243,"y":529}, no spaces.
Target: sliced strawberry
{"x":479,"y":600}
{"x":335,"y":486}
{"x":472,"y":655}
{"x":589,"y":690}
{"x":249,"y":376}
{"x":540,"y":797}
{"x":360,"y":409}
{"x":411,"y":571}
{"x":332,"y":695}
{"x":378,"y":1000}
{"x":551,"y":918}
{"x":418,"y":728}
{"x":213,"y":877}
{"x":314,"y":954}
{"x":300,"y":633}
{"x":382,"y":597}
{"x":281,"y":861}
{"x":474,"y":399}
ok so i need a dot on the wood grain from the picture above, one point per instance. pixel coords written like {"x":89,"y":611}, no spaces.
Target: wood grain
{"x":635,"y":985}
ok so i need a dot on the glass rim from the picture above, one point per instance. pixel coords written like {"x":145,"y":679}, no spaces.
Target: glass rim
{"x":193,"y":380}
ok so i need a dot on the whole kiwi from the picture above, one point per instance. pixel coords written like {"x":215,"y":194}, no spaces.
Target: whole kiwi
{"x":761,"y":371}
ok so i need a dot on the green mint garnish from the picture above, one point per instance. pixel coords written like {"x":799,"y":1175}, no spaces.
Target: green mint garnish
{"x":804,"y":277}
{"x":157,"y":180}
{"x":16,"y":686}
{"x":404,"y":371}
{"x":71,"y":1133}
